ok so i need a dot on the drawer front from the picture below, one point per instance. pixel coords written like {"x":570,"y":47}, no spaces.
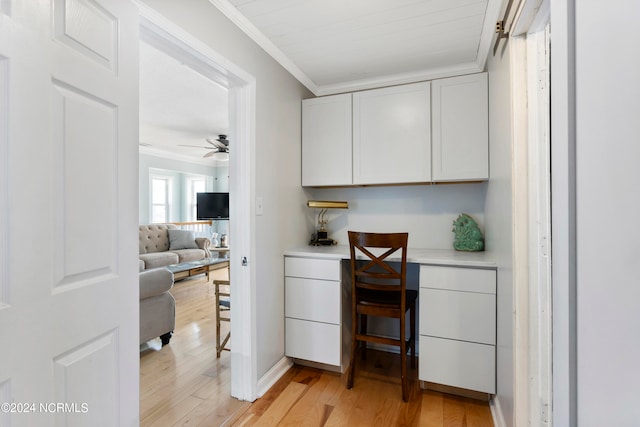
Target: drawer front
{"x":458,"y":279}
{"x":317,"y":342}
{"x":458,"y":364}
{"x":311,"y":299}
{"x":312,"y":268}
{"x":199,"y":270}
{"x":465,"y":316}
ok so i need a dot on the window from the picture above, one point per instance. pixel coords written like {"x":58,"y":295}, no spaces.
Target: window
{"x":160,"y":199}
{"x":194,"y":186}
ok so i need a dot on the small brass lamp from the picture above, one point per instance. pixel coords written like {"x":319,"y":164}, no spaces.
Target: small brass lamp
{"x":322,"y":236}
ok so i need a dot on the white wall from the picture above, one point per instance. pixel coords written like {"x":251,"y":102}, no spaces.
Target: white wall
{"x":607,"y":94}
{"x":499,"y":219}
{"x":278,"y":154}
{"x":427,"y":212}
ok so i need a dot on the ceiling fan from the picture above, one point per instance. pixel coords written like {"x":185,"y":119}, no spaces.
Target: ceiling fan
{"x":219,"y":148}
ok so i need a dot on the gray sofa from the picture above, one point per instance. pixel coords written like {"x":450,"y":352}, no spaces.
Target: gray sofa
{"x":165,"y":244}
{"x":157,"y":305}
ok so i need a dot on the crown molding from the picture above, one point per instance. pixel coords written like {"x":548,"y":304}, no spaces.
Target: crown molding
{"x":399,"y":79}
{"x":157,"y":152}
{"x":257,"y":36}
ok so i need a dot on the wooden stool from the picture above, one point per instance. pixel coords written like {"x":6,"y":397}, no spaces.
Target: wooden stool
{"x":223,"y":302}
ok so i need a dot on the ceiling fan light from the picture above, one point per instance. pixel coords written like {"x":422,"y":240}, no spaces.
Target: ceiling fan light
{"x":221,"y":156}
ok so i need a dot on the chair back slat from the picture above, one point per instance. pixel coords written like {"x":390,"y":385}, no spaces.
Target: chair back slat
{"x":375,"y":272}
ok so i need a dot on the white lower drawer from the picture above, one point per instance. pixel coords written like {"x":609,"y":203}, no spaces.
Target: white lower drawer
{"x":311,"y":299}
{"x":464,"y":316}
{"x":314,"y":341}
{"x":458,"y":363}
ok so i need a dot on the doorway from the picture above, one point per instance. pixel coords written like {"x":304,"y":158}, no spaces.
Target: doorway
{"x":161,"y":33}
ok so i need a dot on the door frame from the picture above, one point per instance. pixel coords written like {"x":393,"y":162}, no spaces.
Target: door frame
{"x":531,"y":76}
{"x":173,"y":40}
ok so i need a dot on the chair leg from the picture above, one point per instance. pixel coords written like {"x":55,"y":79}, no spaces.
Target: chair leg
{"x":218,"y":347}
{"x":403,"y":358}
{"x":354,"y":342}
{"x":363,"y":331}
{"x":412,"y":319}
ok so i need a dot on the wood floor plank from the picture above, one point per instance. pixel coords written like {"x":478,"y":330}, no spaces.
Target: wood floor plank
{"x":478,"y":414}
{"x":453,"y":410}
{"x":431,"y":410}
{"x":311,"y":409}
{"x":281,"y":406}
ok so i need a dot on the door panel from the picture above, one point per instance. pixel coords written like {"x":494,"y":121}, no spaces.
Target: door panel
{"x":68,"y":236}
{"x":84,"y":129}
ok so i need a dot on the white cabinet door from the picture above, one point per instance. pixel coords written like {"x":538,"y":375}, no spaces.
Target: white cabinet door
{"x":460,"y":108}
{"x":465,"y":316}
{"x":315,"y":341}
{"x":310,"y":299}
{"x":458,"y":364}
{"x":326,"y":141}
{"x":392,"y":135}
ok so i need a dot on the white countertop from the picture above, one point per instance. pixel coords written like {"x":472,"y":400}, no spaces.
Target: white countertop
{"x":414,"y":255}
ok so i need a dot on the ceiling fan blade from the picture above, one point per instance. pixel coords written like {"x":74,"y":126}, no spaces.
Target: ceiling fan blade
{"x":217,"y":144}
{"x":210,"y":153}
{"x":196,"y":146}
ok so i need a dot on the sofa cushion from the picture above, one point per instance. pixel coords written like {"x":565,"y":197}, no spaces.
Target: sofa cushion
{"x":155,"y":282}
{"x":181,"y":239}
{"x":159,"y":259}
{"x":154,"y":238}
{"x":185,"y":255}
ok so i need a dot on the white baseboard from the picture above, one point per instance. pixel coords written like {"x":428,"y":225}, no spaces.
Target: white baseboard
{"x":496,"y":412}
{"x":273,"y":375}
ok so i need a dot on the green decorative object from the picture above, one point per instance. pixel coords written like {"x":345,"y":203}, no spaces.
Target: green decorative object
{"x":468,"y":235}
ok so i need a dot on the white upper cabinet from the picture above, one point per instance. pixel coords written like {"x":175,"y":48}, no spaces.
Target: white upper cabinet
{"x":392,"y":135}
{"x":423,"y":132}
{"x":326,"y":141}
{"x":460,"y":120}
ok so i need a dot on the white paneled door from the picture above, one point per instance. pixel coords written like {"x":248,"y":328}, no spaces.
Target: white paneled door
{"x":68,"y":213}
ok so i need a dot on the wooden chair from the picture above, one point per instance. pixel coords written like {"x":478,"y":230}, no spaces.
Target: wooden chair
{"x":379,"y":289}
{"x":223,"y":302}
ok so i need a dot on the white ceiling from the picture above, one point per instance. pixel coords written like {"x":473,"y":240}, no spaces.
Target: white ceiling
{"x":335,"y":46}
{"x":178,"y":106}
{"x":330,"y":46}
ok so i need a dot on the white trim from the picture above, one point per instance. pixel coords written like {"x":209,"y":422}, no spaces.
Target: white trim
{"x":398,"y":79}
{"x":261,"y":40}
{"x":496,"y":413}
{"x":164,"y":34}
{"x":531,"y":198}
{"x":520,"y":196}
{"x":244,"y":371}
{"x":539,"y":229}
{"x":273,"y":375}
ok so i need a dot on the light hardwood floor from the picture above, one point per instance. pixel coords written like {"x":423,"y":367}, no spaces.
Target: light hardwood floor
{"x":183,"y":384}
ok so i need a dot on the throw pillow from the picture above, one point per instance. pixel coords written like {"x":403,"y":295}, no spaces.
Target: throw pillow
{"x":181,"y":239}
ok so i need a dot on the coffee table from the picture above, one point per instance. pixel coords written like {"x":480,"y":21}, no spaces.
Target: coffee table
{"x":192,"y":268}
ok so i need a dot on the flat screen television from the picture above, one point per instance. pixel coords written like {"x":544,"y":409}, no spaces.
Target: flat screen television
{"x":212,"y":206}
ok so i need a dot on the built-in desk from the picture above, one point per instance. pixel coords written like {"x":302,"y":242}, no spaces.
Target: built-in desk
{"x":457,"y":313}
